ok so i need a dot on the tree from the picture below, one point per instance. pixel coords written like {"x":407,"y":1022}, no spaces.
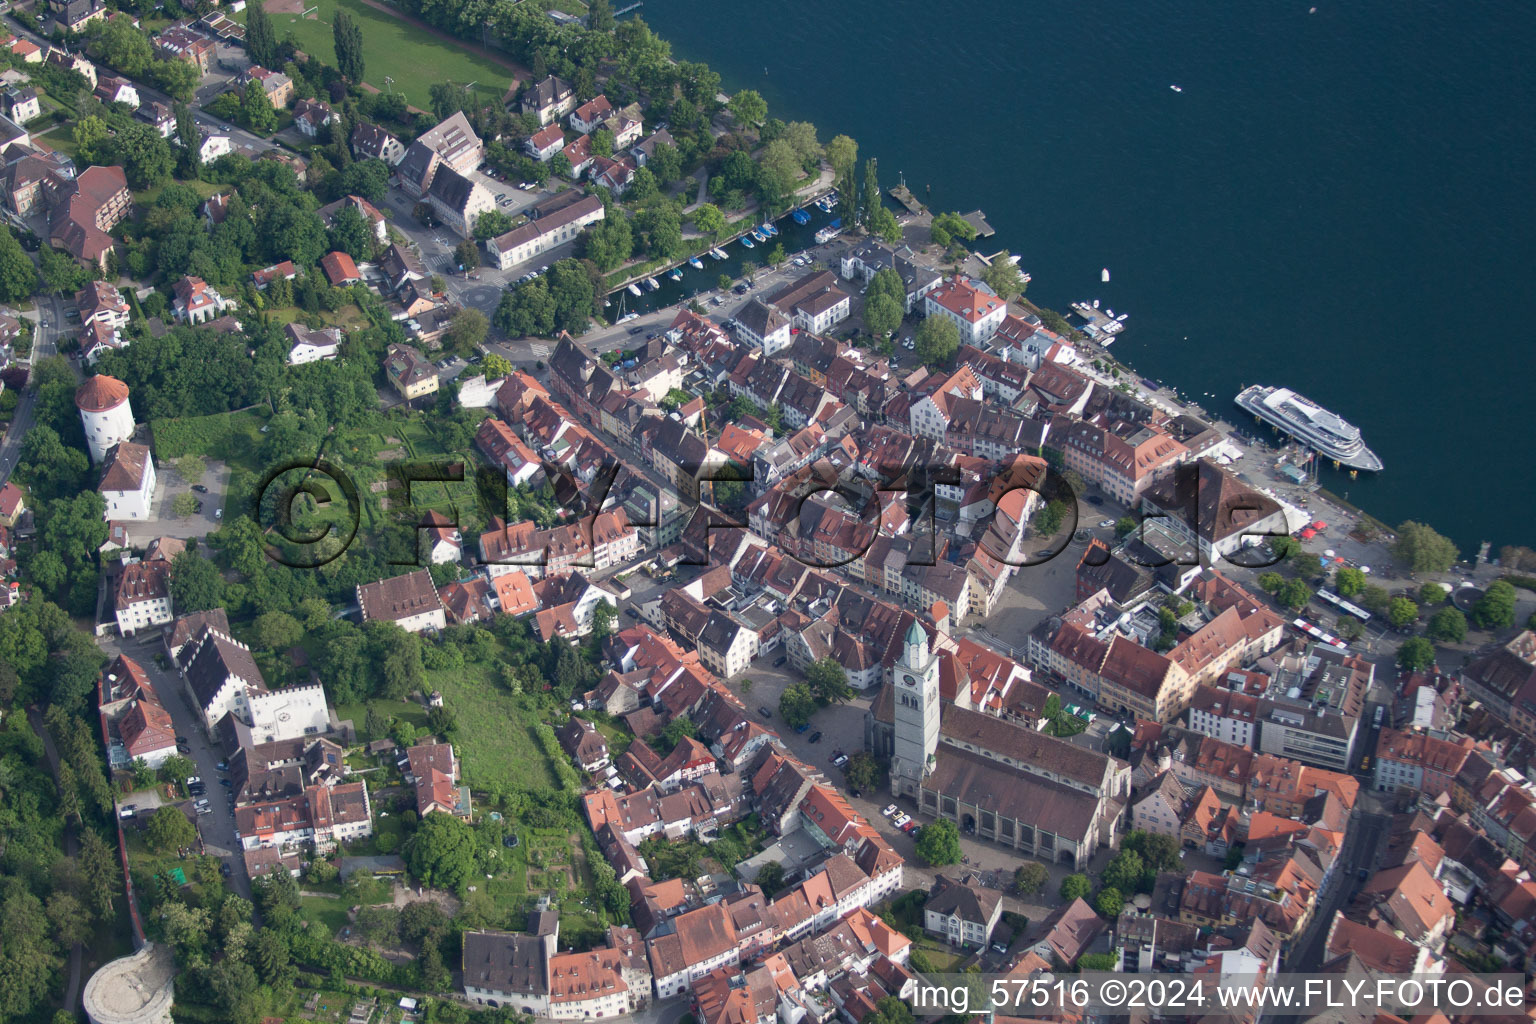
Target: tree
{"x":871,"y":188}
{"x":1447,"y":626}
{"x":277,"y":631}
{"x":1158,"y":852}
{"x":1109,"y":902}
{"x":177,"y":78}
{"x":92,"y":143}
{"x":1402,"y":612}
{"x":938,"y":339}
{"x":467,"y":329}
{"x":1348,"y":582}
{"x":260,"y":117}
{"x":183,"y":505}
{"x":709,"y":220}
{"x":602,"y":142}
{"x":495,"y":367}
{"x":1074,"y":887}
{"x":882,"y":316}
{"x":1431,"y":594}
{"x":1030,"y":877}
{"x":883,"y":223}
{"x":169,"y":829}
{"x":350,"y":233}
{"x":18,"y":278}
{"x":466,"y":254}
{"x":58,"y":273}
{"x":862,"y":771}
{"x":441,"y":853}
{"x":828,"y":680}
{"x":666,"y":163}
{"x":946,"y":227}
{"x":1423,"y":550}
{"x":842,"y":154}
{"x":177,"y":769}
{"x":780,"y":169}
{"x":1294,"y":594}
{"x":770,"y":878}
{"x":195,"y":583}
{"x":492,"y":223}
{"x":1348,"y":627}
{"x":600,"y":16}
{"x":1124,"y":871}
{"x":1416,"y":654}
{"x":260,"y":39}
{"x":748,"y":107}
{"x":1003,"y":277}
{"x":348,"y":39}
{"x":1126,"y":525}
{"x":939,"y":843}
{"x":1374,"y":598}
{"x":797,"y":704}
{"x":1496,"y":608}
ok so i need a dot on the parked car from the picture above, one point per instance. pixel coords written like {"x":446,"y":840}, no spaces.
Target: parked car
{"x":890,"y":810}
{"x":909,"y":827}
{"x":194,"y":781}
{"x":1105,"y":524}
{"x":200,"y":489}
{"x":181,"y":741}
{"x":816,"y":736}
{"x":840,"y":760}
{"x":631,"y":613}
{"x":127,"y":810}
{"x":222,"y":766}
{"x":226,"y":870}
{"x":901,"y":819}
{"x":226,"y":783}
{"x":779,"y":661}
{"x":765,"y":712}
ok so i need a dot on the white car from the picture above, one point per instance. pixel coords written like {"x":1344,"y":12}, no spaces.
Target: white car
{"x":889,"y":811}
{"x":839,"y":760}
{"x":193,"y":780}
{"x":1106,"y":524}
{"x":901,"y":819}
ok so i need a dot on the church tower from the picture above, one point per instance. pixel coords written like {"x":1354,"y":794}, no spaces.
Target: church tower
{"x":916,"y":684}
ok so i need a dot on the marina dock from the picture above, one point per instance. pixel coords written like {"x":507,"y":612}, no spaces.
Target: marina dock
{"x":1098,"y":324}
{"x":978,"y":220}
{"x":904,"y":196}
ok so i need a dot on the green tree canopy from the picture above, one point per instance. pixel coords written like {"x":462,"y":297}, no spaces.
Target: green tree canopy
{"x":1447,"y":626}
{"x":1416,"y":654}
{"x":749,"y":107}
{"x":1496,"y":608}
{"x":828,"y":680}
{"x":1402,"y":612}
{"x":797,"y":704}
{"x":1348,"y":582}
{"x":441,"y":853}
{"x":1074,"y":887}
{"x":938,"y":339}
{"x":1421,"y":549}
{"x":939,"y":843}
{"x":169,"y":829}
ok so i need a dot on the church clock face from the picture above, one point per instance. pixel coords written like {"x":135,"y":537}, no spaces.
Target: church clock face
{"x":908,"y":679}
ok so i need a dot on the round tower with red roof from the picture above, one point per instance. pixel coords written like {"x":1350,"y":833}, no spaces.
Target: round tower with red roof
{"x":105,"y":414}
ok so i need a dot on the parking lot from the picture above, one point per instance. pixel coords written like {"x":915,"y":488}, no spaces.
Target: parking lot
{"x":214,"y":484}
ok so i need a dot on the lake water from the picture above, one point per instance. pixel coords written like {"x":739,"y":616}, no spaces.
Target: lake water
{"x":1337,"y":201}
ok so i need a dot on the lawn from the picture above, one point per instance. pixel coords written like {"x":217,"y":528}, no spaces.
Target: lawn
{"x":396,"y":49}
{"x":327,"y":913}
{"x":61,"y":139}
{"x":495,"y":738}
{"x":232,"y":437}
{"x":406,"y":710}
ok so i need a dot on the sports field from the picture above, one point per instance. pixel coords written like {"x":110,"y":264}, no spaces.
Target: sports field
{"x":407,"y":53}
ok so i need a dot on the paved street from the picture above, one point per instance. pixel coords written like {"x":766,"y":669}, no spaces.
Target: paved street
{"x":218,"y":827}
{"x":44,"y":344}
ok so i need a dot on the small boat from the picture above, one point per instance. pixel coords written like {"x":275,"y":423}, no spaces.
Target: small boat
{"x":652,"y":284}
{"x":1104,"y":275}
{"x":627,"y":317}
{"x":1176,"y":88}
{"x":1095,"y":303}
{"x":1122,"y":317}
{"x":693,"y":261}
{"x":718,"y":254}
{"x":767,"y":228}
{"x":758,"y":236}
{"x":1014,"y":259}
{"x":676,"y":275}
{"x":634,"y":289}
{"x":1109,"y":312}
{"x":746,"y":240}
{"x":801,"y":217}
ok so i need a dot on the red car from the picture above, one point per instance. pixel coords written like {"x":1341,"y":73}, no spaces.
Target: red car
{"x":910,"y":826}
